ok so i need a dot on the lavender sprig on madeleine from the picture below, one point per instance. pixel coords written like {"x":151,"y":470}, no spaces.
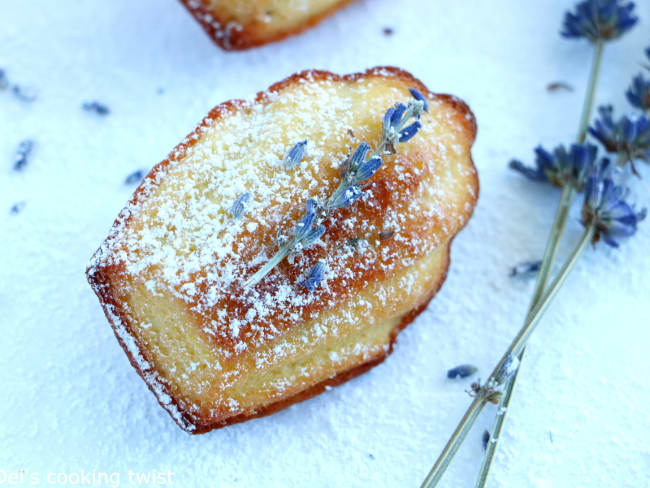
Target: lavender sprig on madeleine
{"x":400,"y":124}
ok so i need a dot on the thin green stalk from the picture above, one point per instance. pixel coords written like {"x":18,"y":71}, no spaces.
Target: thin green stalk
{"x":518,"y":347}
{"x":591,"y":91}
{"x":561,"y":215}
{"x":272,"y":263}
{"x":514,"y":350}
{"x":547,"y":264}
{"x":454,"y":442}
{"x":522,"y":337}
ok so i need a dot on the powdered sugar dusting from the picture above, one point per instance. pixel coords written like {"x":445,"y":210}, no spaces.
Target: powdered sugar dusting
{"x":179,"y":236}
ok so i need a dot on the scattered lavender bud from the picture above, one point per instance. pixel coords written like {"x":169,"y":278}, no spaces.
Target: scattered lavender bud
{"x":371,"y":456}
{"x":526,"y":269}
{"x":95,"y":107}
{"x":315,"y":276}
{"x":294,"y":155}
{"x":559,"y":85}
{"x":23,"y":94}
{"x":313,"y":235}
{"x":355,"y":242}
{"x":462,"y":371}
{"x":239,"y":206}
{"x":386,"y":235}
{"x":485,"y":439}
{"x":4,"y":82}
{"x":17,"y":207}
{"x":134,"y":178}
{"x":388,"y":31}
{"x":22,"y":154}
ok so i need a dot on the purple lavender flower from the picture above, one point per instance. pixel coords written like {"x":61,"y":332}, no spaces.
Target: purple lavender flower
{"x":294,"y":155}
{"x":605,"y":207}
{"x":135,"y":177}
{"x":356,"y":168}
{"x":560,"y":167}
{"x":315,"y":276}
{"x":638,"y":94}
{"x":526,"y":268}
{"x":346,"y":197}
{"x":418,"y":96}
{"x":627,"y":137}
{"x":599,"y":20}
{"x":396,"y":118}
{"x":22,"y":154}
{"x":409,"y":131}
{"x":307,"y":221}
{"x":462,"y":371}
{"x":239,"y":206}
{"x":96,"y":107}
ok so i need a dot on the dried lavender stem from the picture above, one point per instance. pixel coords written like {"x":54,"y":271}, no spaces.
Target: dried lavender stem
{"x":561,"y":215}
{"x":497,"y":427}
{"x":284,"y":251}
{"x":496,"y":377}
{"x":467,"y":422}
{"x":591,"y":91}
{"x":270,"y":264}
{"x":568,"y":192}
{"x":454,"y":443}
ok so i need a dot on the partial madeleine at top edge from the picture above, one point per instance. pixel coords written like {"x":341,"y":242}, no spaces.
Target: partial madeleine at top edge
{"x":233,"y":36}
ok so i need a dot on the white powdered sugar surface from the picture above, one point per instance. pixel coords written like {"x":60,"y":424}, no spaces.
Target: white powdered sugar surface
{"x":71,"y":400}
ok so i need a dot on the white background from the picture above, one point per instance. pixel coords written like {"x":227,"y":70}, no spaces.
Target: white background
{"x":71,"y":401}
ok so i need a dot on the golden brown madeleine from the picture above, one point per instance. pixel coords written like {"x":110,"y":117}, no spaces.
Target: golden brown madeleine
{"x":241,"y":24}
{"x":170,"y":273}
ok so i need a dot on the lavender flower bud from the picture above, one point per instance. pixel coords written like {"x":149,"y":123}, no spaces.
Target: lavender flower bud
{"x":462,"y":371}
{"x":527,"y":268}
{"x":357,"y":158}
{"x":315,"y":276}
{"x":367,"y":169}
{"x":22,"y":154}
{"x":421,"y":98}
{"x":304,"y":226}
{"x":294,"y":155}
{"x":409,"y":132}
{"x":639,"y":93}
{"x":605,"y":207}
{"x":346,"y":198}
{"x":239,"y":206}
{"x":312,"y":236}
